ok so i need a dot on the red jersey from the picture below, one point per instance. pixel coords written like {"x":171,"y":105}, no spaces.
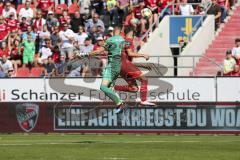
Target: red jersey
{"x":4,"y":29}
{"x":128,"y":45}
{"x":152,"y":3}
{"x":137,"y":12}
{"x":13,"y":24}
{"x":1,"y":9}
{"x":235,"y":74}
{"x":23,"y":27}
{"x":4,"y":52}
{"x":45,"y":4}
{"x":14,"y":55}
{"x":63,"y":20}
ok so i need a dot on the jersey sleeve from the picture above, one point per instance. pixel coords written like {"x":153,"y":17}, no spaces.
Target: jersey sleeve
{"x":129,"y":44}
{"x":107,"y":45}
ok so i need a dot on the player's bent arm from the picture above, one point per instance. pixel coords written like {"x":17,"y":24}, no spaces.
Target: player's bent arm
{"x":98,"y":51}
{"x":136,"y":55}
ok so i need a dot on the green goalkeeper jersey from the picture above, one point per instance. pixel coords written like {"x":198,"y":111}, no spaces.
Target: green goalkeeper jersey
{"x":29,"y":48}
{"x":114,"y":45}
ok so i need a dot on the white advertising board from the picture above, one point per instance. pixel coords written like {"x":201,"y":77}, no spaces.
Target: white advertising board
{"x":228,"y":89}
{"x":88,"y":89}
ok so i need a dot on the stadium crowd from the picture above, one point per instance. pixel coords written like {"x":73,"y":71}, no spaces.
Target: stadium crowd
{"x":52,"y":37}
{"x":231,"y":64}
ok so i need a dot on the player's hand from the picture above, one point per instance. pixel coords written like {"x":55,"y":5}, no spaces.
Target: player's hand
{"x":146,"y":56}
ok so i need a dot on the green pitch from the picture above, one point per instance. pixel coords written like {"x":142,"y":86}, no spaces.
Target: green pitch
{"x":118,"y":147}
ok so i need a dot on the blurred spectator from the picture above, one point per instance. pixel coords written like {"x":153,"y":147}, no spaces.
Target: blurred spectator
{"x":44,"y":34}
{"x":95,"y":21}
{"x":224,"y":7}
{"x":112,"y":8}
{"x":103,"y":57}
{"x":205,"y":4}
{"x":236,"y":71}
{"x":45,"y":52}
{"x":1,"y":6}
{"x":15,"y":55}
{"x":98,"y":6}
{"x":67,"y":39}
{"x":228,"y":63}
{"x":23,"y":24}
{"x":60,"y":65}
{"x":51,"y":21}
{"x":9,"y":10}
{"x":109,"y":33}
{"x":153,"y":6}
{"x":87,"y":47}
{"x":45,"y":5}
{"x":85,"y":6}
{"x":76,"y":66}
{"x":28,"y":51}
{"x":96,"y":32}
{"x":215,"y":10}
{"x":81,"y":36}
{"x":12,"y":23}
{"x":12,"y":37}
{"x":76,"y":22}
{"x":49,"y":68}
{"x":4,"y":29}
{"x":65,"y":17}
{"x":236,"y":50}
{"x":55,"y":38}
{"x":38,"y":22}
{"x":6,"y":67}
{"x":26,"y":11}
{"x":29,"y":31}
{"x":4,"y":50}
{"x":137,"y":18}
{"x":186,"y":9}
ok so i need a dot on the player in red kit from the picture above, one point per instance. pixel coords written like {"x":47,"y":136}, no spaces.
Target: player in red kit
{"x":130,"y":72}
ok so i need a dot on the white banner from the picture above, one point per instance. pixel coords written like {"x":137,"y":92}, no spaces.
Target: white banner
{"x":88,"y":89}
{"x":228,"y":89}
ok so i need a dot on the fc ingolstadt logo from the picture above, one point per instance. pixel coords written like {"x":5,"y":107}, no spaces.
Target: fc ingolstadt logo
{"x":27,"y":115}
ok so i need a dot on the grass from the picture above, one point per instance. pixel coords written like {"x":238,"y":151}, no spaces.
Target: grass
{"x":118,"y":147}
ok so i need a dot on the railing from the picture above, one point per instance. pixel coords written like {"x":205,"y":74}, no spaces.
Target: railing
{"x":155,"y":63}
{"x":199,"y":22}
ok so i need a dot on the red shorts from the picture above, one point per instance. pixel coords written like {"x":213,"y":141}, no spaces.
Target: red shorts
{"x":129,"y":70}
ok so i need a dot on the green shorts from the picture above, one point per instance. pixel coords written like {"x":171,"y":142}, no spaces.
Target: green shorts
{"x":111,"y":72}
{"x":27,"y":59}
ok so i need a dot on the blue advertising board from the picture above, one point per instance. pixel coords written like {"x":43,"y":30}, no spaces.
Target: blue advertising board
{"x":181,"y":27}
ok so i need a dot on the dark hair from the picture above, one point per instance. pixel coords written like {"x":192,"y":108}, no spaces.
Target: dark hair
{"x":237,"y":40}
{"x":229,"y":51}
{"x":88,"y":39}
{"x":118,"y":28}
{"x":127,"y":30}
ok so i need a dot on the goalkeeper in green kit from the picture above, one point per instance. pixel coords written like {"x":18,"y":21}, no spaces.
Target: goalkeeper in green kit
{"x":28,"y":51}
{"x":114,"y":46}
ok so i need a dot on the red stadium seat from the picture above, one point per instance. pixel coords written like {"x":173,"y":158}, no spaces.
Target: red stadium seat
{"x":60,"y":8}
{"x":23,"y":72}
{"x":73,"y":8}
{"x":36,"y":72}
{"x":20,"y":6}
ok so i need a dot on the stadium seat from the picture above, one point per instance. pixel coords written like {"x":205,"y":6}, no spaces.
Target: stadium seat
{"x":60,"y":8}
{"x":36,"y":72}
{"x":20,"y":6}
{"x":23,"y":72}
{"x":73,"y":8}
